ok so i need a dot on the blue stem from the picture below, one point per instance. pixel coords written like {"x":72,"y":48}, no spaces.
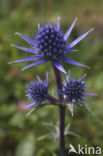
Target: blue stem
{"x":61,"y":113}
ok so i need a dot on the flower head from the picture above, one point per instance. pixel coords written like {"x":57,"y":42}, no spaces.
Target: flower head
{"x":75,"y":89}
{"x":50,"y":44}
{"x":37,"y":91}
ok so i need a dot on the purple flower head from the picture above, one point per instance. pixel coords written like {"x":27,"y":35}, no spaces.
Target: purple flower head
{"x":75,"y":89}
{"x":50,"y":44}
{"x":37,"y":91}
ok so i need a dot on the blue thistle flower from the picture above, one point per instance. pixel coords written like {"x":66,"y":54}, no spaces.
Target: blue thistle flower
{"x":37,"y":91}
{"x":50,"y":44}
{"x":75,"y":89}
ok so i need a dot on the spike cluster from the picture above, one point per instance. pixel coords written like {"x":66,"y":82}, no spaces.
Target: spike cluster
{"x":50,"y":41}
{"x":50,"y":44}
{"x":37,"y":91}
{"x":75,"y":89}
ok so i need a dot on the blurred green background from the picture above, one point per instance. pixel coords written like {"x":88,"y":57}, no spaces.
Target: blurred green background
{"x":19,"y":134}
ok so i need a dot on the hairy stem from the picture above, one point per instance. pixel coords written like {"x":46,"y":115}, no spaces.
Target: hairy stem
{"x":61,"y":113}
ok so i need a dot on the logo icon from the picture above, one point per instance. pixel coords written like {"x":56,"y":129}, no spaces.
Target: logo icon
{"x":85,"y":150}
{"x":72,"y":149}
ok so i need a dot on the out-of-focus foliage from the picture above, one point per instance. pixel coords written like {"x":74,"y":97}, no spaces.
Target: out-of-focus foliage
{"x":19,"y":134}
